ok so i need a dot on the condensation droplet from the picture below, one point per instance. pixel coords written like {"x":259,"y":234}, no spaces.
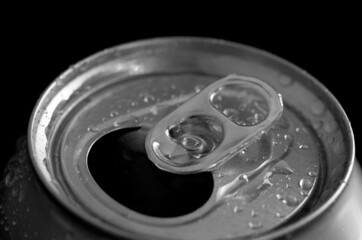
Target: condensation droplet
{"x":255,"y":224}
{"x":238,"y":209}
{"x":312,"y":173}
{"x":289,"y":200}
{"x":279,"y":215}
{"x":93,"y":129}
{"x":303,"y":147}
{"x":254,"y":213}
{"x":305,"y":184}
{"x":282,"y":169}
{"x":113,"y":114}
{"x":133,"y":104}
{"x":286,"y":137}
{"x":13,"y":222}
{"x":304,"y":193}
{"x":198,"y":88}
{"x":318,"y":108}
{"x":220,"y":175}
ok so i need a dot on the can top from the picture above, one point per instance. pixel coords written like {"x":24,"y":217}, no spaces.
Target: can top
{"x":111,"y":91}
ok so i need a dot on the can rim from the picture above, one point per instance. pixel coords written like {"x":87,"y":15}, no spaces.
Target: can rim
{"x":293,"y":227}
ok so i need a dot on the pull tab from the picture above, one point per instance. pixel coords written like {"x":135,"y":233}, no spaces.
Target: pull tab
{"x":214,"y":125}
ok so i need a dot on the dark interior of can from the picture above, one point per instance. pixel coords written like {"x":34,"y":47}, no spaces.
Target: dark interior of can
{"x":118,"y":162}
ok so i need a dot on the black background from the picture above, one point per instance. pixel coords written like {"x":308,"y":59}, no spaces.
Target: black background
{"x":36,"y":51}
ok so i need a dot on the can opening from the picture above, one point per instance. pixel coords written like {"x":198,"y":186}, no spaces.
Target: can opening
{"x":119,"y":164}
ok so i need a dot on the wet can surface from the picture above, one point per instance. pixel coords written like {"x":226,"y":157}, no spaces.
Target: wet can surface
{"x":85,"y":170}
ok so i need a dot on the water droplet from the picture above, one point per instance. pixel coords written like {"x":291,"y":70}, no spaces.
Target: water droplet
{"x":287,"y":136}
{"x":10,"y":178}
{"x":313,"y":173}
{"x":279,"y":215}
{"x":304,"y":193}
{"x":254,"y":213}
{"x":13,"y":222}
{"x":282,"y":168}
{"x":318,"y":108}
{"x":93,"y":129}
{"x":305,"y":184}
{"x":303,"y":147}
{"x":133,"y":104}
{"x":289,"y":200}
{"x":6,"y":228}
{"x":198,"y":88}
{"x":285,"y":80}
{"x":255,"y":224}
{"x":25,"y":235}
{"x":238,"y":209}
{"x":113,"y":114}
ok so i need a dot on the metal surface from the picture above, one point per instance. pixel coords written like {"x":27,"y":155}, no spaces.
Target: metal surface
{"x":159,"y":145}
{"x":76,"y":110}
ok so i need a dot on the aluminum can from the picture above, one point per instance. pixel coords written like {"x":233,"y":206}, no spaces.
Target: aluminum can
{"x":84,"y":169}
